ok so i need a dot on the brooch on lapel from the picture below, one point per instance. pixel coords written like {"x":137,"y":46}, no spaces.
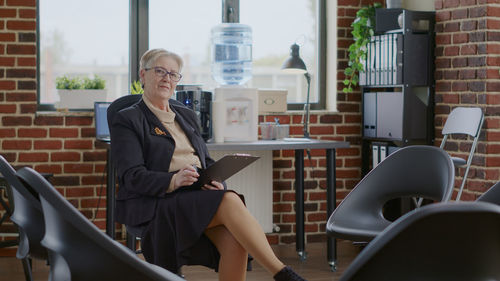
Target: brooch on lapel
{"x":158,"y":131}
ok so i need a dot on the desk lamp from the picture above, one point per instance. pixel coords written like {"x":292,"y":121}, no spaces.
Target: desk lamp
{"x":294,"y":64}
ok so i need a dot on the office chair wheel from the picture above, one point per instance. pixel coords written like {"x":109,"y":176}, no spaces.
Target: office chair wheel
{"x":333,"y":266}
{"x":302,"y":255}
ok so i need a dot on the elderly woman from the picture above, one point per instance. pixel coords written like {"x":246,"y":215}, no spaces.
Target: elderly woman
{"x":156,"y":144}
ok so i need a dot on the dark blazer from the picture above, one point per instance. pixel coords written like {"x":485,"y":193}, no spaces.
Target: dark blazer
{"x":142,"y":150}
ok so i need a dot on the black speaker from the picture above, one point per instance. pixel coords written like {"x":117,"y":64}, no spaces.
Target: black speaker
{"x":200,"y":102}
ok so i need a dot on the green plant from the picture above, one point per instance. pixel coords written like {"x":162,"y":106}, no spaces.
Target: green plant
{"x":362,"y":30}
{"x":96,"y":83}
{"x":65,"y":82}
{"x":136,"y":88}
{"x":77,"y":83}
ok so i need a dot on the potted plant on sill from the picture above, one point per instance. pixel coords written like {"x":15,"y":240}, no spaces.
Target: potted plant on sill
{"x":136,"y":88}
{"x":78,"y":93}
{"x":362,"y":29}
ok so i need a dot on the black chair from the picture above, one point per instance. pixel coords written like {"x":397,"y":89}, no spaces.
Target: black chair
{"x":136,"y":232}
{"x":28,"y":216}
{"x":88,"y":253}
{"x":492,"y":195}
{"x":133,"y":232}
{"x":444,"y":241}
{"x":413,"y":171}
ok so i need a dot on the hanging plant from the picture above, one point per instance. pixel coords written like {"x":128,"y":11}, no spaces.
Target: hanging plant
{"x":362,"y":30}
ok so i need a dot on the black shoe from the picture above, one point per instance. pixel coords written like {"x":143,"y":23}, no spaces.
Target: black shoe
{"x":287,"y":274}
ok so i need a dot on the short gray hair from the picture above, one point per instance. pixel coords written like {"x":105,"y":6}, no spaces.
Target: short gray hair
{"x":152,"y":55}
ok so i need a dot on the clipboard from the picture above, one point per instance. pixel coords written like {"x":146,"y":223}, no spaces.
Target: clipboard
{"x":224,"y":168}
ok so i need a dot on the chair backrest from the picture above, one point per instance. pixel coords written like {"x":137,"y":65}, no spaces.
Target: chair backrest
{"x":468,"y":121}
{"x":464,"y":120}
{"x":492,"y":195}
{"x":27,"y":214}
{"x":126,"y":101}
{"x":119,"y":104}
{"x":88,"y":252}
{"x":438,"y":242}
{"x":413,"y":171}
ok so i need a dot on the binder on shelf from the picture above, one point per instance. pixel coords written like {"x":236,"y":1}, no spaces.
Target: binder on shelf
{"x":383,"y":152}
{"x":370,"y":114}
{"x":381,"y":62}
{"x":375,"y":156}
{"x":380,"y":151}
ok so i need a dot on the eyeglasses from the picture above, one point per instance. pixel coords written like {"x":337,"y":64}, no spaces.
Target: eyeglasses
{"x":162,"y":72}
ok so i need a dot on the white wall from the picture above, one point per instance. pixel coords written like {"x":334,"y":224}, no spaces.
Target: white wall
{"x":419,"y":5}
{"x":331,"y":51}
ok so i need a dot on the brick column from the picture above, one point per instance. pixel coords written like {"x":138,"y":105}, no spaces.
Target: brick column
{"x":467,"y":73}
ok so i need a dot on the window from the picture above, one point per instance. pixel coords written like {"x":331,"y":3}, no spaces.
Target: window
{"x":187,"y":34}
{"x":83,"y":38}
{"x":276,"y":25}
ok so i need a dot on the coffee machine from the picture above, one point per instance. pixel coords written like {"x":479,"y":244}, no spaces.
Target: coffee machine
{"x":200,"y":102}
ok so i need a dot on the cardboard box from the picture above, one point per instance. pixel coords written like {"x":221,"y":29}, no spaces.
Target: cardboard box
{"x":272,"y":100}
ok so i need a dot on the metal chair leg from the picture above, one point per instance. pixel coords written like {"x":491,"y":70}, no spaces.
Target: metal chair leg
{"x":27,"y":269}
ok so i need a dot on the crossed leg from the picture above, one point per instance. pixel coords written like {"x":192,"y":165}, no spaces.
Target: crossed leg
{"x":244,"y":229}
{"x":233,"y":257}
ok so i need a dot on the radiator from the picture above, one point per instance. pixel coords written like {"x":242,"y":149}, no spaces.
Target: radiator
{"x":255,"y":182}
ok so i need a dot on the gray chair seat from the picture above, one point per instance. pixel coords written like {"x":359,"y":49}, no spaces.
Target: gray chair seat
{"x":364,"y":229}
{"x":458,"y":162}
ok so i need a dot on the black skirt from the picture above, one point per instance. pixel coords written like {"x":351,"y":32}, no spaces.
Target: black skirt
{"x":175,"y":236}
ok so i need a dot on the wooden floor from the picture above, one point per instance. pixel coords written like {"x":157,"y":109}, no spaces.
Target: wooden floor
{"x":315,"y":268}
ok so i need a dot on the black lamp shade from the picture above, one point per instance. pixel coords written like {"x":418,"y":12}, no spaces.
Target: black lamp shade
{"x":294,"y":64}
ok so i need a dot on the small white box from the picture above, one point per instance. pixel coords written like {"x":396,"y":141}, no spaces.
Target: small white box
{"x":272,"y":100}
{"x":235,"y":116}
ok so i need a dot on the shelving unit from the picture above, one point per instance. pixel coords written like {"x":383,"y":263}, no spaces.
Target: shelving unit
{"x":398,"y":84}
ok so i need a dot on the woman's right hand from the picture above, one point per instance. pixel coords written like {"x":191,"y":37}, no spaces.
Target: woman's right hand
{"x":185,"y":176}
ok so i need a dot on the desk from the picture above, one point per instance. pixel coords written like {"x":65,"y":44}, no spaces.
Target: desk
{"x":299,"y":147}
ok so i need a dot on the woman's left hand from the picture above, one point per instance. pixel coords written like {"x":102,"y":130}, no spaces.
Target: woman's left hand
{"x":214,"y":185}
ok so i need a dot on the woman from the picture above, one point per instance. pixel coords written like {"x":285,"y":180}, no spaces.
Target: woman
{"x":156,"y":147}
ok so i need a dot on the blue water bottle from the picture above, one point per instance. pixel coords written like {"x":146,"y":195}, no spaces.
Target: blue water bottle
{"x":232,"y":53}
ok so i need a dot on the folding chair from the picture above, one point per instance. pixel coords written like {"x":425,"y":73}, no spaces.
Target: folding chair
{"x":463,"y":121}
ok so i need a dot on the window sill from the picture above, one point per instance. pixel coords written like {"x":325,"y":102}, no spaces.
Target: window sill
{"x":65,"y":113}
{"x":300,"y":112}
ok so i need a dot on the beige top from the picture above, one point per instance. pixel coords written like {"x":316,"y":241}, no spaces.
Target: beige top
{"x":184,"y":152}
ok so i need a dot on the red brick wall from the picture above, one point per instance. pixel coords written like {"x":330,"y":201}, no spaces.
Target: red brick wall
{"x":467,"y":73}
{"x":58,"y":143}
{"x":64,"y":144}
